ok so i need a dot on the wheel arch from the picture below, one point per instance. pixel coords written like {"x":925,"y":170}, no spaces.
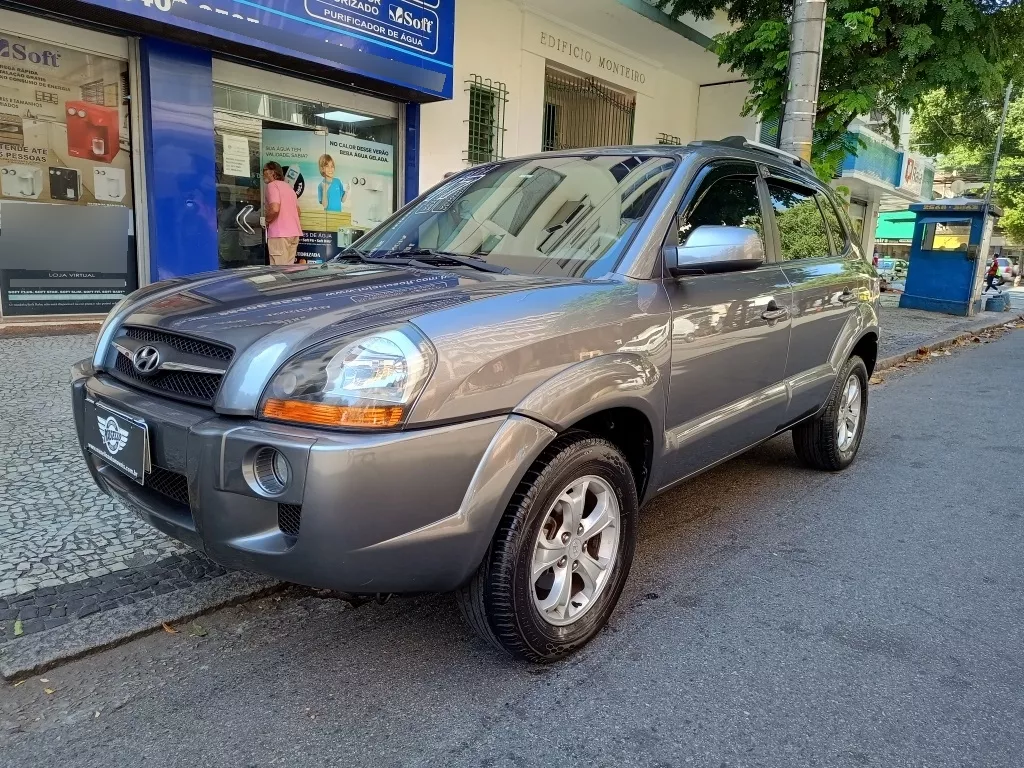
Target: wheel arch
{"x":619,"y":397}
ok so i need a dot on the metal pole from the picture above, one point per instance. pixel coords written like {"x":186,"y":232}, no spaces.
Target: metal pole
{"x":807,"y":31}
{"x":999,"y":146}
{"x":983,"y":257}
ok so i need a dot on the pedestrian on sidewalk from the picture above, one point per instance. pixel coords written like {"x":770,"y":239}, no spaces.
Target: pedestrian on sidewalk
{"x":282,"y":216}
{"x":991,"y":275}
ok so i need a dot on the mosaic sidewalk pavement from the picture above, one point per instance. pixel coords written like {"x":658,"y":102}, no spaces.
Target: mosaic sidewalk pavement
{"x":65,"y":546}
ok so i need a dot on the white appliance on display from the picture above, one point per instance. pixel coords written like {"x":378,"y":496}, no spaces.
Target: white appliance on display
{"x":24,"y":181}
{"x":376,"y":188}
{"x":36,"y":133}
{"x":109,"y":184}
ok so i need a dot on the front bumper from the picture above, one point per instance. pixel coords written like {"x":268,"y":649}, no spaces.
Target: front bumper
{"x":407,"y":511}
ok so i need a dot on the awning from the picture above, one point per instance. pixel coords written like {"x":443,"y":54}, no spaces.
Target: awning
{"x":896,"y":225}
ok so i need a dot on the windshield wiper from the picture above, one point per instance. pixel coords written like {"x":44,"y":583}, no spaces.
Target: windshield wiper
{"x":419,"y":256}
{"x":351,"y":252}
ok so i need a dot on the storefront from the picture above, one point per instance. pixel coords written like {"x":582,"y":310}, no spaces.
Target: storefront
{"x":133,"y":133}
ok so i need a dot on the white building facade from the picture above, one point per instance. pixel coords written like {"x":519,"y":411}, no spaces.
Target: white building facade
{"x":534,"y":75}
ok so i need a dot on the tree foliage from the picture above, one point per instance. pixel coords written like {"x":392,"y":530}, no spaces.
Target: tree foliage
{"x":880,"y":57}
{"x":963,"y":134}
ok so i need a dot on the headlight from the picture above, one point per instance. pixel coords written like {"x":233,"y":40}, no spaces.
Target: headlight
{"x":367,"y":383}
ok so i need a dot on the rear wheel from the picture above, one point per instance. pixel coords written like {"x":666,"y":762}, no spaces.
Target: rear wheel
{"x":561,"y":554}
{"x":831,"y":439}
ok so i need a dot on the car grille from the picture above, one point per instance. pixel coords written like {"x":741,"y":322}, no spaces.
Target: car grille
{"x":170,"y":484}
{"x":200,"y":388}
{"x":197,"y":387}
{"x":289,"y":516}
{"x":184,"y":344}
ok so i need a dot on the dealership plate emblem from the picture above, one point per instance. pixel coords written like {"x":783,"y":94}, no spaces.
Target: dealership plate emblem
{"x":146,"y":360}
{"x":114,"y":437}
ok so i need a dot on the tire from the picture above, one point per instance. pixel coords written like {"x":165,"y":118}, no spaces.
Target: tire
{"x":818,"y":441}
{"x":501,"y":600}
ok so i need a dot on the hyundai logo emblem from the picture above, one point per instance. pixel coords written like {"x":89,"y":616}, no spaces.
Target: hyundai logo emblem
{"x":146,"y":360}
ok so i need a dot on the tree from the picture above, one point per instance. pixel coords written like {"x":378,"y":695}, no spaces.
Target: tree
{"x":878,"y":57}
{"x":963,"y":135}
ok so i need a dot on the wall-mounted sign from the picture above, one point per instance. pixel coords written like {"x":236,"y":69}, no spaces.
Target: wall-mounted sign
{"x":564,"y":46}
{"x":405,"y":42}
{"x":912,"y":173}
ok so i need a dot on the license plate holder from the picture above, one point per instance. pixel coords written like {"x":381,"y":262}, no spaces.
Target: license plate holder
{"x":120,"y":440}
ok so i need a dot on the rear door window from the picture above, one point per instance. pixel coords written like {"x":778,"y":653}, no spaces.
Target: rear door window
{"x":802,"y":232}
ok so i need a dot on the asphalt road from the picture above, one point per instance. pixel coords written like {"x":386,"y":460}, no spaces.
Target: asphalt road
{"x":774,"y":617}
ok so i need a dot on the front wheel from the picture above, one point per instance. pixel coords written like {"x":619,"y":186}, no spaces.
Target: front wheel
{"x":831,"y":439}
{"x":561,"y":554}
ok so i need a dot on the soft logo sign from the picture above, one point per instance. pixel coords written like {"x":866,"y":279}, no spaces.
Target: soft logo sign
{"x":114,"y":437}
{"x":419,"y":23}
{"x":21,"y":52}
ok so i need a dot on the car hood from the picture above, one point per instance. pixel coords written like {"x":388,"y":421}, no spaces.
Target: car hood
{"x":315,"y":302}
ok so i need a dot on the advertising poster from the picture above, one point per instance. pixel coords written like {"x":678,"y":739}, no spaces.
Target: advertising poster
{"x":345,"y":185}
{"x":63,"y":125}
{"x":65,"y":180}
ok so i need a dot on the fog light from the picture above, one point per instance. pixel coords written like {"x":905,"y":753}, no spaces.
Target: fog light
{"x":271,"y":471}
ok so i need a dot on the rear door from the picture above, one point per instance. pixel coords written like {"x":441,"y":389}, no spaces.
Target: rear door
{"x":730,"y":332}
{"x":829,"y":279}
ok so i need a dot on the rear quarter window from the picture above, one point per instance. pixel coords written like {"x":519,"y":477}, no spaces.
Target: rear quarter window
{"x":835,"y":227}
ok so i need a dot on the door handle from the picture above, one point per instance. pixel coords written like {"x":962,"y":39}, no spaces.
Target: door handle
{"x":847,"y":296}
{"x":240,"y":220}
{"x":774,"y":312}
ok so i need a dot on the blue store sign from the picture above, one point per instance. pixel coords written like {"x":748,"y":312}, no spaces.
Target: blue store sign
{"x":405,"y":42}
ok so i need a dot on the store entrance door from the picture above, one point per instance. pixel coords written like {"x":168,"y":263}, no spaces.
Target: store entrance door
{"x":239,"y":142}
{"x":340,"y":162}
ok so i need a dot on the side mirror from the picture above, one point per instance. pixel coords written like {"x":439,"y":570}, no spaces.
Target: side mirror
{"x":711,"y":249}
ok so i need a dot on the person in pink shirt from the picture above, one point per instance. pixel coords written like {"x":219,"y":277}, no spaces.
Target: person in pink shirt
{"x":281,"y":213}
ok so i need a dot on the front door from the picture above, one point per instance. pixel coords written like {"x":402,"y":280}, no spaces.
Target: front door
{"x":730,"y":334}
{"x":238,"y":140}
{"x":340,"y":162}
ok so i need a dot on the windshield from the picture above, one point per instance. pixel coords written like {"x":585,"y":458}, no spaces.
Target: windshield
{"x":567,"y":216}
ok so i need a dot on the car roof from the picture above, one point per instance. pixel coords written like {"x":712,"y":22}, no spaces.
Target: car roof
{"x":731,"y":147}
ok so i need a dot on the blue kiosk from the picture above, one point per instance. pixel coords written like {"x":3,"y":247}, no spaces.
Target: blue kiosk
{"x":948,"y":255}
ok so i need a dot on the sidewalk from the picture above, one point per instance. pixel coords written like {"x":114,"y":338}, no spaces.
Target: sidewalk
{"x":904,"y":330}
{"x":78,"y":571}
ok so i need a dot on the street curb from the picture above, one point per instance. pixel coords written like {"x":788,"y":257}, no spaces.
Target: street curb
{"x":38,"y":652}
{"x":948,"y":341}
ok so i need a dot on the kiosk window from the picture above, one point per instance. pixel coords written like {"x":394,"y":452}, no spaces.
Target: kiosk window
{"x":947,"y":235}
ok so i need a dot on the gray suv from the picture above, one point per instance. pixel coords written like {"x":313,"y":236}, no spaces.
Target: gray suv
{"x":481,"y":393}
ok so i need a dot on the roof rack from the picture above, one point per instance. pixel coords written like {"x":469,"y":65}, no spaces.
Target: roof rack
{"x":742,"y":142}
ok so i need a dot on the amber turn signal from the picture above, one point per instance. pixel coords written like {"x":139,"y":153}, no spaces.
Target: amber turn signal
{"x":323,"y":415}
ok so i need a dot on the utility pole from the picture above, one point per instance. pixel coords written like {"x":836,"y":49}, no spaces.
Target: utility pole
{"x":983,"y":257}
{"x":999,"y":146}
{"x":806,"y":38}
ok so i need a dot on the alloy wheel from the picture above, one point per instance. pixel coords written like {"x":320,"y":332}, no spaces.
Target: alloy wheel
{"x":576,"y":550}
{"x":849,"y":413}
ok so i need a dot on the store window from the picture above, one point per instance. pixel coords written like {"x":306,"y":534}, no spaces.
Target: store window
{"x":340,"y":161}
{"x":66,"y":205}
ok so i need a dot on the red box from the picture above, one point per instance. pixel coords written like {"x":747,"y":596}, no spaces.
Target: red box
{"x":94,"y":131}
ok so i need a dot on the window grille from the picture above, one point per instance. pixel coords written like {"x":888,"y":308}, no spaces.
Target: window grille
{"x":667,"y":138}
{"x":487,"y":100}
{"x":581,"y":112}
